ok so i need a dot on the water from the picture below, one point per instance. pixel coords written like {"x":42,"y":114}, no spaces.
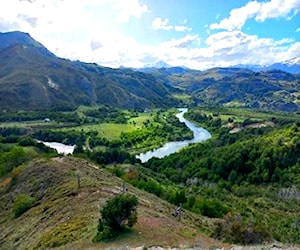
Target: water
{"x":60,"y":148}
{"x":200,"y":134}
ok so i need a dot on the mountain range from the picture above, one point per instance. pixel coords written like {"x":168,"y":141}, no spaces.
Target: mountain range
{"x":33,"y":78}
{"x":291,"y":66}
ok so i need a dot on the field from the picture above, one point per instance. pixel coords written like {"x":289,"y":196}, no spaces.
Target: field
{"x":112,"y":131}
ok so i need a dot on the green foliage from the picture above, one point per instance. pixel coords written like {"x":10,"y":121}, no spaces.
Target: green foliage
{"x":12,"y":158}
{"x":22,"y":203}
{"x":263,"y":159}
{"x":26,"y":141}
{"x":236,"y":230}
{"x":107,"y":114}
{"x":179,"y":198}
{"x":111,"y":156}
{"x":116,"y":214}
{"x":210,"y":207}
{"x":117,"y":171}
{"x":70,"y":138}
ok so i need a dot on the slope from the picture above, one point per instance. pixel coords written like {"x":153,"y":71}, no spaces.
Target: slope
{"x":66,"y":216}
{"x":32,"y":78}
{"x":270,"y":90}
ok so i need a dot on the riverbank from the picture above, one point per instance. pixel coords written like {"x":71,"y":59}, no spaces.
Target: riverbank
{"x":200,"y":134}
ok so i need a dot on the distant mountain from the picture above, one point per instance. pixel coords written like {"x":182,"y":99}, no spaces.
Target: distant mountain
{"x":32,"y":78}
{"x":158,"y":65}
{"x":291,"y":66}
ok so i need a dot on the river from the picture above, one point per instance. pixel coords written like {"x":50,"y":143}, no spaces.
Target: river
{"x":200,"y":134}
{"x":60,"y":147}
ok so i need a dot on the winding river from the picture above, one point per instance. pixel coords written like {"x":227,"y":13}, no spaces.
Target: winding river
{"x":200,"y":134}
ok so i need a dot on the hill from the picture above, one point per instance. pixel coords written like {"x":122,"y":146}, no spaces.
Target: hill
{"x":66,"y":216}
{"x":32,"y":78}
{"x":269,"y":90}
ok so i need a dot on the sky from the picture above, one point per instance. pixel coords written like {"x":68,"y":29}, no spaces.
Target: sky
{"x":198,"y":34}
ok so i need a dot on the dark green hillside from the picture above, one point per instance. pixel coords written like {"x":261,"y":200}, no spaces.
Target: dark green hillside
{"x":273,"y":90}
{"x":247,"y":174}
{"x":270,"y":158}
{"x":31,"y":78}
{"x":270,"y":90}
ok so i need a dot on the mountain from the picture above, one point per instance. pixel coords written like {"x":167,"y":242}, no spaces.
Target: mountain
{"x":32,"y":78}
{"x":16,"y":37}
{"x":66,"y":216}
{"x":291,"y":66}
{"x":157,"y":65}
{"x":270,"y":90}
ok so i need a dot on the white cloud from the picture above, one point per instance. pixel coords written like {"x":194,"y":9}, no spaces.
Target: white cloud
{"x":238,"y":17}
{"x":298,"y":30}
{"x":129,"y":8}
{"x":90,"y":32}
{"x":182,"y":28}
{"x":258,"y":10}
{"x":159,"y":24}
{"x":277,"y":8}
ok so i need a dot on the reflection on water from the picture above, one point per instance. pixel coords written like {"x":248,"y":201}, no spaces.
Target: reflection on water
{"x":200,"y":134}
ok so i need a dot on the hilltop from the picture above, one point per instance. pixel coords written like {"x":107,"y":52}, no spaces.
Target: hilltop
{"x":66,"y":216}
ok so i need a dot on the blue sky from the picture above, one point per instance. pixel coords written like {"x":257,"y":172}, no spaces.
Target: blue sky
{"x":198,"y":34}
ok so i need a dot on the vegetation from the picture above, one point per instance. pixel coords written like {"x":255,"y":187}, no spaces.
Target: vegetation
{"x":117,"y":213}
{"x":242,"y":186}
{"x":242,"y":173}
{"x":22,"y":203}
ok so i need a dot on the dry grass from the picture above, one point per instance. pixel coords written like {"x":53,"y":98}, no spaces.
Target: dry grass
{"x":66,"y":217}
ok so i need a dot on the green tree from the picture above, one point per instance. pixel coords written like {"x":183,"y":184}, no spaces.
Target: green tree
{"x":116,"y":214}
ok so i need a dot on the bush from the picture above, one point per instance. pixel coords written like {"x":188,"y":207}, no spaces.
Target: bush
{"x":22,"y":203}
{"x":116,"y":214}
{"x":236,"y":230}
{"x":210,"y":208}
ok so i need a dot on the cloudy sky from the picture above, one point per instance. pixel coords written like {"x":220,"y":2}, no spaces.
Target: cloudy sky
{"x":198,"y":34}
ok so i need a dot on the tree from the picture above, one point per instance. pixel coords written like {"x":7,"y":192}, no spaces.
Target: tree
{"x":116,"y":214}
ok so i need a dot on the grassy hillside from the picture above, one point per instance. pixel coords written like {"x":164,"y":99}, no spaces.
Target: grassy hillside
{"x":64,"y":215}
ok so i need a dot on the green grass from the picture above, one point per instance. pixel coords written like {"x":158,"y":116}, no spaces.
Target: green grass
{"x":112,"y":131}
{"x":27,"y":124}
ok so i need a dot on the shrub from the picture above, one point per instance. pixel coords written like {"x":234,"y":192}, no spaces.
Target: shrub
{"x":210,"y":208}
{"x":22,"y":203}
{"x":236,"y":230}
{"x":116,"y":214}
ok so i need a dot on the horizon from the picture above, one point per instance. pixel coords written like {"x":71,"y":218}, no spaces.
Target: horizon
{"x":135,"y":34}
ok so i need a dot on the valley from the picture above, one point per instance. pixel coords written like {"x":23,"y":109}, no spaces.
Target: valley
{"x":237,"y":185}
